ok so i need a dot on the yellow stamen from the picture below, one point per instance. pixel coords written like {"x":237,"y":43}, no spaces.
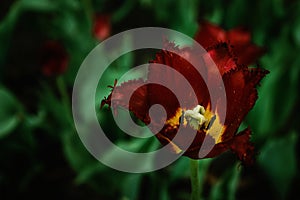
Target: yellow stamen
{"x":214,"y":127}
{"x":199,"y":118}
{"x":174,"y":147}
{"x":174,"y":121}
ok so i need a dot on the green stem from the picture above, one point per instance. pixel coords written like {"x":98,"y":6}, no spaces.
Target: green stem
{"x":195,"y":179}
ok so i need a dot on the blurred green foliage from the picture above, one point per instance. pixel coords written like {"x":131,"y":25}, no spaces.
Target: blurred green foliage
{"x":41,"y":155}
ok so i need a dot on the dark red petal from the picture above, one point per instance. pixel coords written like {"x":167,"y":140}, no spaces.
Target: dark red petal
{"x":209,"y":149}
{"x":186,"y":138}
{"x":54,"y":59}
{"x":242,"y":147}
{"x":210,"y":34}
{"x":223,"y":57}
{"x":185,"y":69}
{"x":102,"y":26}
{"x":239,"y":36}
{"x":224,"y":62}
{"x":163,"y":96}
{"x":136,"y":103}
{"x":245,"y":50}
{"x":239,"y":144}
{"x":241,"y":94}
{"x":247,"y":54}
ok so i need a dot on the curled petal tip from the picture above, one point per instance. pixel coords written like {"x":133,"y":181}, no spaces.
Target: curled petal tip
{"x":243,"y":147}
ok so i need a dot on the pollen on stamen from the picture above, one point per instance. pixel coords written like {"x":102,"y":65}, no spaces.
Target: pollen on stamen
{"x":195,"y":118}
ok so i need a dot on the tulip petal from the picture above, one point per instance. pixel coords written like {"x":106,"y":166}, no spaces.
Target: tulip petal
{"x":136,"y":103}
{"x":210,"y":34}
{"x":241,"y":92}
{"x":242,"y":147}
{"x":176,"y":63}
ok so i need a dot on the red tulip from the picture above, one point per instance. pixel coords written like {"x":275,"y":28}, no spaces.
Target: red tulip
{"x":54,"y":58}
{"x":239,"y":39}
{"x":102,"y":27}
{"x":197,"y":115}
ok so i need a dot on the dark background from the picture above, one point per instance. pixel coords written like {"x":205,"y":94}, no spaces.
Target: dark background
{"x":41,"y":155}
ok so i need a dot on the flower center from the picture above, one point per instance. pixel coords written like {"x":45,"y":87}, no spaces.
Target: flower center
{"x":195,"y":118}
{"x":199,"y":118}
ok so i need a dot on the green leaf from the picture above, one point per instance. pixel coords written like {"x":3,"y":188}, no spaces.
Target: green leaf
{"x":89,"y":171}
{"x":228,"y":184}
{"x":217,"y":191}
{"x":9,"y":22}
{"x":277,"y":96}
{"x":179,"y":169}
{"x":114,"y":157}
{"x":78,"y":157}
{"x":8,"y":125}
{"x":10,"y":112}
{"x":54,"y":107}
{"x":36,"y":120}
{"x":41,"y":5}
{"x":6,"y":28}
{"x":131,"y":186}
{"x":233,"y":182}
{"x":278,"y":160}
{"x":123,"y":11}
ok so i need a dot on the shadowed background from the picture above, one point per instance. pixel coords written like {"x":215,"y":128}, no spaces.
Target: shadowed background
{"x":42,"y":45}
